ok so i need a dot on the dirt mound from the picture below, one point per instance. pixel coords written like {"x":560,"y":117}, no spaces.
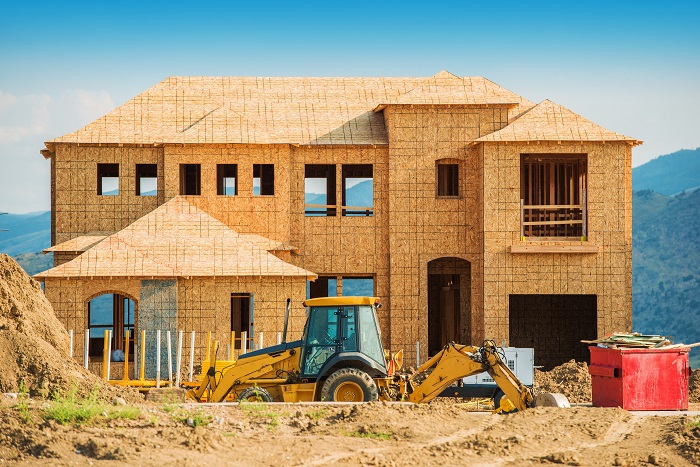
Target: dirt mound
{"x":34,"y":344}
{"x":571,"y":379}
{"x":694,"y":387}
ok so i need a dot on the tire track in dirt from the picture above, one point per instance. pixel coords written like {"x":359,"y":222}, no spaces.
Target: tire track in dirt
{"x":405,"y":447}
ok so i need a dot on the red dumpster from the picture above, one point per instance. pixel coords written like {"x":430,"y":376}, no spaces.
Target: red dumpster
{"x":640,"y":379}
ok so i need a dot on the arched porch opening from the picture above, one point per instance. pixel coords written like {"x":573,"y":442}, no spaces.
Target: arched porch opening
{"x":111,"y":311}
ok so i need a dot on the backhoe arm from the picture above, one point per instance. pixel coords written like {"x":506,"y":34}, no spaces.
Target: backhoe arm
{"x":458,"y":361}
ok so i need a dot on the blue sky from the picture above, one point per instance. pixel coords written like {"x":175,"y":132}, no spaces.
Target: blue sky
{"x":632,"y":67}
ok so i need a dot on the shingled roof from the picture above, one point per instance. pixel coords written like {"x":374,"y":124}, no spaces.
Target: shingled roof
{"x":178,"y":240}
{"x":250,"y":110}
{"x":548,"y":121}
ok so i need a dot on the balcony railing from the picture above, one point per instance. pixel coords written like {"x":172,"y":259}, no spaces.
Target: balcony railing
{"x":324,"y":210}
{"x":554,"y":220}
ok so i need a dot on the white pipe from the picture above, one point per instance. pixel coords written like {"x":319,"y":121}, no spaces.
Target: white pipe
{"x":279,"y":337}
{"x":244,"y":342}
{"x":261,"y":341}
{"x":170,"y":358}
{"x":109,"y":354}
{"x":191,"y":355}
{"x":179,"y":359}
{"x":70,"y":351}
{"x":158,"y":358}
{"x":417,"y":353}
{"x":86,"y":353}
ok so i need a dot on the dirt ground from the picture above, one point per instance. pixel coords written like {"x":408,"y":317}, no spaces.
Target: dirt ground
{"x":443,"y":432}
{"x":34,"y":362}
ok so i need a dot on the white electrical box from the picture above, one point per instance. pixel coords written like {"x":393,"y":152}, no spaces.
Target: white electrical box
{"x":521,"y":361}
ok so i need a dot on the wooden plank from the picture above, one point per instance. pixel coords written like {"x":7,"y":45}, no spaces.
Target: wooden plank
{"x":553,"y":248}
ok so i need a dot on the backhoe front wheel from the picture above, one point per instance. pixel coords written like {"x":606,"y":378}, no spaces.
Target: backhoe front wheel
{"x":254,"y":394}
{"x":349,"y":385}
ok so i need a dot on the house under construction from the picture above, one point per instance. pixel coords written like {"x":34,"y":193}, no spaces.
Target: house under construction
{"x":203,"y":203}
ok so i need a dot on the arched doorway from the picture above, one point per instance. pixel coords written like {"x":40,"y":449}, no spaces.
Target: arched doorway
{"x":449,"y":302}
{"x":113,"y":312}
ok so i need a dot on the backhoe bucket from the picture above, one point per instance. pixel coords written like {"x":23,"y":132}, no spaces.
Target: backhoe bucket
{"x":551,"y":399}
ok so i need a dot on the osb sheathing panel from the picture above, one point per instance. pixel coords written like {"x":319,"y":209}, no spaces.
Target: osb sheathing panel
{"x":262,"y":215}
{"x":79,"y":210}
{"x":423,"y":226}
{"x":204,"y":304}
{"x":607,"y":274}
{"x":70,"y":297}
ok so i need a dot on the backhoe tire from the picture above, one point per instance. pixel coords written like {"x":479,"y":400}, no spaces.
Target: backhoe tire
{"x":349,"y":385}
{"x":254,"y":394}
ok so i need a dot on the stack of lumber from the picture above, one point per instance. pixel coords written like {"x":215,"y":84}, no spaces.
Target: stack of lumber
{"x":636,"y":340}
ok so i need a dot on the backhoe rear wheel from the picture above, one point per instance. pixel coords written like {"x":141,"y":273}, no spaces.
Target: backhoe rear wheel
{"x":349,"y":385}
{"x":254,"y":394}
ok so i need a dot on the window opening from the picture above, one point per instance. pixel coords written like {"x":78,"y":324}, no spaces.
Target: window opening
{"x":358,"y":286}
{"x":447,"y":179}
{"x":146,"y":179}
{"x":319,"y":190}
{"x":323,"y":286}
{"x":358,"y":190}
{"x":553,"y":195}
{"x":263,"y":179}
{"x":108,"y":179}
{"x":190,"y":179}
{"x":112,"y":312}
{"x":227,"y":179}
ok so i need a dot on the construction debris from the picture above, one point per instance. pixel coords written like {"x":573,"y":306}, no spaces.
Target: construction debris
{"x":637,"y":340}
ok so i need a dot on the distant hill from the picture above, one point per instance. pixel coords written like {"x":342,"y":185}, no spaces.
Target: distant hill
{"x":25,"y":232}
{"x":666,"y":266}
{"x":669,"y":174}
{"x":35,"y":262}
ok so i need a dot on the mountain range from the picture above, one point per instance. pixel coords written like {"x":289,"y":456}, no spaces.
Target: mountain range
{"x":666,"y":242}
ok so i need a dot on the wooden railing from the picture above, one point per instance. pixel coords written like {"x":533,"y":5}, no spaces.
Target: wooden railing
{"x":323,"y":210}
{"x":553,"y":220}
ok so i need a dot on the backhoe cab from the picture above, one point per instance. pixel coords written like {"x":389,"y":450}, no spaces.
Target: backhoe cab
{"x":341,"y":358}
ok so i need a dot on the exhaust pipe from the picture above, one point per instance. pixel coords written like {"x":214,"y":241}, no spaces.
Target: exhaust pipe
{"x":286,"y":321}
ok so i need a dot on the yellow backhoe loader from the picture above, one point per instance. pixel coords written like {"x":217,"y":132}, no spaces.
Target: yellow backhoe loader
{"x":341,"y":358}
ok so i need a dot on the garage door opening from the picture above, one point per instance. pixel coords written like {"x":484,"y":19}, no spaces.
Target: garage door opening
{"x":554,"y":326}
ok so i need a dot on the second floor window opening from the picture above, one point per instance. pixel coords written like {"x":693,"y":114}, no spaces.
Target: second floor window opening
{"x":108,"y":179}
{"x":553,"y":195}
{"x":227,"y":179}
{"x":146,"y":179}
{"x":319,"y":190}
{"x":263,"y":179}
{"x":447,"y":179}
{"x":190,"y":179}
{"x":358,"y":190}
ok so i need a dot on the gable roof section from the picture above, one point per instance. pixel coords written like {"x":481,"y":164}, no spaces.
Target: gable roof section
{"x":447,"y":89}
{"x":249,"y":110}
{"x":548,"y":121}
{"x":178,"y":240}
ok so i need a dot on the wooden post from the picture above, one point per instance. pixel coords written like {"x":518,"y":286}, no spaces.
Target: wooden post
{"x":209,"y":346}
{"x":86,"y":351}
{"x":142,"y":366}
{"x":125,"y":376}
{"x":70,"y":350}
{"x":191,"y":355}
{"x":105,"y":351}
{"x":179,"y":359}
{"x":170,"y":358}
{"x":158,"y":358}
